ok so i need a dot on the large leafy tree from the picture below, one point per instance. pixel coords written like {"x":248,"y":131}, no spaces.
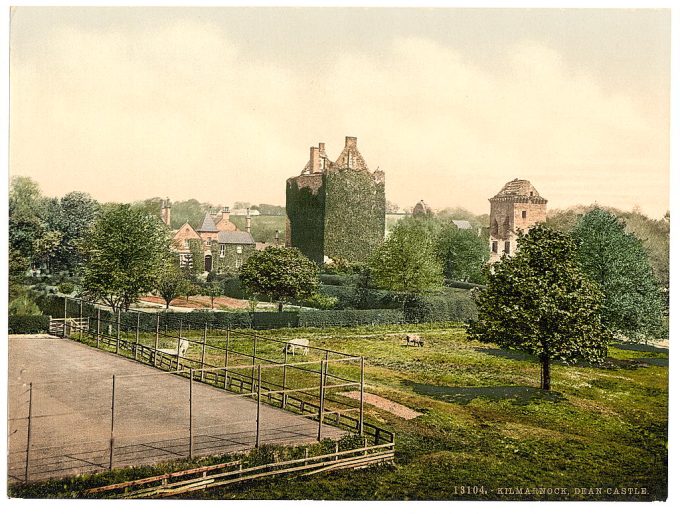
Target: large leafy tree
{"x":462,"y":253}
{"x":633,"y":305}
{"x":172,"y":281}
{"x":282,"y":274}
{"x":78,"y":213}
{"x":124,"y":254}
{"x":539,"y":301}
{"x":26,"y":213}
{"x":407,"y":261}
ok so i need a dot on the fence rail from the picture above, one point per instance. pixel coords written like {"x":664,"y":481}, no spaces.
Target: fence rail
{"x":245,"y":363}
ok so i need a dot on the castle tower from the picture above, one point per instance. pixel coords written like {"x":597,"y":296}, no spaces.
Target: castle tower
{"x":514,"y":210}
{"x":336,"y":209}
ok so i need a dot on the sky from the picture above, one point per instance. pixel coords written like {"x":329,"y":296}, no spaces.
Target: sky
{"x":222,"y":104}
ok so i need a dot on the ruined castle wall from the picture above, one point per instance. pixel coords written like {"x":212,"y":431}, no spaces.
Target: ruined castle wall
{"x":305,"y":208}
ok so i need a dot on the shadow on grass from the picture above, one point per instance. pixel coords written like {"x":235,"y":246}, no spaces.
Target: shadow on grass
{"x":640,"y":348}
{"x":519,"y":395}
{"x":507,"y":354}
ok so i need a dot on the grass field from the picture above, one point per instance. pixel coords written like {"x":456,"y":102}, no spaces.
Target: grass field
{"x":485,"y":423}
{"x":486,"y":431}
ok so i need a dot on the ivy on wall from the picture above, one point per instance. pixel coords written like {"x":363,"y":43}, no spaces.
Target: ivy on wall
{"x":231,"y":262}
{"x":343,"y":216}
{"x":197,"y":256}
{"x":355,"y":214}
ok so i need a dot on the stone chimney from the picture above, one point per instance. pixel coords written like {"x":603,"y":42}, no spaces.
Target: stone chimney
{"x":248,"y":220}
{"x":225,"y":213}
{"x":165,"y":211}
{"x":314,"y":159}
{"x":350,"y":142}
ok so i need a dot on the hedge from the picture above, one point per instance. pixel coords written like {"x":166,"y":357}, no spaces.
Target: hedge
{"x":28,"y":324}
{"x":449,"y":305}
{"x":338,"y":280}
{"x":350,"y":318}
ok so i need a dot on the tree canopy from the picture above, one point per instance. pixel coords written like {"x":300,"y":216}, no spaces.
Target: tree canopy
{"x":407,"y":262}
{"x":124,"y":254}
{"x":540,"y":302}
{"x":462,"y":253}
{"x":633,"y":305}
{"x":281,"y":274}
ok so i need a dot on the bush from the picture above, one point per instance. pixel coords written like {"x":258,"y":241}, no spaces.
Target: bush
{"x":450,"y":305}
{"x":28,"y":324}
{"x":350,"y":318}
{"x":337,"y":280}
{"x":232,"y":287}
{"x":320,"y":301}
{"x":66,"y":287}
{"x":23,"y":306}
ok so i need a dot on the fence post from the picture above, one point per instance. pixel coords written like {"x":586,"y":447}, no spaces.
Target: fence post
{"x":155,"y":348}
{"x":65,"y":310}
{"x":226,"y":361}
{"x":191,"y":410}
{"x":259,"y":400}
{"x":80,"y":328}
{"x":118,"y":332}
{"x":137,"y":335}
{"x":28,"y":430}
{"x":178,"y":346}
{"x":205,"y":336}
{"x":252,"y":368}
{"x":180,"y":327}
{"x":285,"y":369}
{"x":113,"y":417}
{"x":99,"y":320}
{"x":361,"y":398}
{"x":322,"y":383}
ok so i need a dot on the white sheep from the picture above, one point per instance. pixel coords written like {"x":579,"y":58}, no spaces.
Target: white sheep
{"x":301,"y":344}
{"x":414,"y":339}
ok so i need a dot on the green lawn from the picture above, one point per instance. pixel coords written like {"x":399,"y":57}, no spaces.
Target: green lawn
{"x":484,"y":422}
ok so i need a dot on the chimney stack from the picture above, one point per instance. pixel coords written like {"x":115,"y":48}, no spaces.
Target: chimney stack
{"x":314,"y":159}
{"x":350,"y":142}
{"x":248,"y":220}
{"x":165,"y":211}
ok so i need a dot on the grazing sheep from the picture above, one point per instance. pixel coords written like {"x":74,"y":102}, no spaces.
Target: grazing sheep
{"x":183,"y":347}
{"x":414,"y":339}
{"x":301,"y":344}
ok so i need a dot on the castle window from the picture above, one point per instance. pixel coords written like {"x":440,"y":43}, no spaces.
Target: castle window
{"x":494,"y":246}
{"x":531,"y":193}
{"x":507,"y":247}
{"x":524,"y":215}
{"x":222,"y":250}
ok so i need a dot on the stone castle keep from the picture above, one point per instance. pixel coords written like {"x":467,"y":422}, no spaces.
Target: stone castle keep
{"x":336,"y":209}
{"x":514,"y":210}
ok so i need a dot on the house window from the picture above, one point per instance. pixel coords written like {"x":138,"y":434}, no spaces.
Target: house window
{"x":494,"y":246}
{"x":239,"y":249}
{"x":222,"y":250}
{"x":239,"y":262}
{"x":524,"y":215}
{"x":507,"y":247}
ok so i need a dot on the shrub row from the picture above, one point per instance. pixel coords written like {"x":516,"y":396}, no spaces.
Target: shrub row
{"x":449,"y":305}
{"x":28,"y":324}
{"x":350,"y":318}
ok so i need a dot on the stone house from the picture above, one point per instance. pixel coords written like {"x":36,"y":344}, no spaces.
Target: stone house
{"x":217,"y":245}
{"x":514,"y":210}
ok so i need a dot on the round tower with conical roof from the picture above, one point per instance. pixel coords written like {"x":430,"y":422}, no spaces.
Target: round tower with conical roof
{"x":514,"y":210}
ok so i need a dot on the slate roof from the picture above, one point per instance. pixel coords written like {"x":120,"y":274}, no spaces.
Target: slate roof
{"x":462,"y":224}
{"x":208,"y":224}
{"x":237,"y":237}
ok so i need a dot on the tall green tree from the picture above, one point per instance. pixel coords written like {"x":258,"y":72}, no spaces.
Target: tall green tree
{"x":407,"y":261}
{"x":124,"y":255}
{"x":633,"y":304}
{"x":462,"y":254}
{"x":171,"y":282}
{"x":26,"y":213}
{"x":281,"y":274}
{"x":541,"y":302}
{"x":78,"y":213}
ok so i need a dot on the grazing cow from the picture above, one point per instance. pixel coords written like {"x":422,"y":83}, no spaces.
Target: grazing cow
{"x":414,"y":339}
{"x":302,"y":346}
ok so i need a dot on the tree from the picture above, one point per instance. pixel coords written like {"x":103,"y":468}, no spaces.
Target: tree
{"x":124,"y":255}
{"x":616,"y":260}
{"x":26,"y":210}
{"x":462,"y":254}
{"x":171,"y":282}
{"x":406,"y":262}
{"x":540,"y":302}
{"x":213,"y":290}
{"x":282,"y":274}
{"x":78,"y":213}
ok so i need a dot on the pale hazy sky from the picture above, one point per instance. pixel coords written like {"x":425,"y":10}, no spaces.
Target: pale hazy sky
{"x":223,"y":104}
